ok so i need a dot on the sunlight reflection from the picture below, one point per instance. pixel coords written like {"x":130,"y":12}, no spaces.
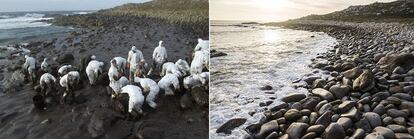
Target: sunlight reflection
{"x":270,"y":35}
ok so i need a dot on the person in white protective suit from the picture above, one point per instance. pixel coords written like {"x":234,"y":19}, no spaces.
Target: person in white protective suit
{"x":70,"y":80}
{"x":202,"y":45}
{"x":159,"y":56}
{"x":130,"y":53}
{"x":136,"y":98}
{"x":44,"y":66}
{"x":137,"y":63}
{"x":166,"y":82}
{"x":170,"y":67}
{"x":117,"y":85}
{"x":120,"y":63}
{"x":47,"y":81}
{"x":200,"y":61}
{"x":93,"y":70}
{"x":183,"y":67}
{"x":64,"y":70}
{"x":149,"y":87}
{"x":196,"y":80}
{"x":29,"y":67}
{"x":113,"y":72}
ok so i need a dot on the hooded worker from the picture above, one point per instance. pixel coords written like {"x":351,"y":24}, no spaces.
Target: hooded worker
{"x":170,"y":67}
{"x":120,"y":63}
{"x":47,"y":81}
{"x":44,"y":66}
{"x":30,"y":66}
{"x":64,"y":70}
{"x":113,"y":72}
{"x":160,"y":55}
{"x":117,"y":85}
{"x":137,"y":63}
{"x":136,"y":98}
{"x":196,"y":80}
{"x":183,"y":67}
{"x":130,"y":53}
{"x":151,"y":87}
{"x":93,"y":70}
{"x":202,"y":45}
{"x":200,"y":61}
{"x":166,"y":82}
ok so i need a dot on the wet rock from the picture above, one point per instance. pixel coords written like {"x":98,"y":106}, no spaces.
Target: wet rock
{"x":267,"y":87}
{"x":346,"y":106}
{"x":325,"y":94}
{"x":101,"y":121}
{"x":310,"y":135}
{"x":397,"y":128}
{"x":313,"y":117}
{"x":391,"y":61}
{"x":278,"y":107}
{"x":373,"y":118}
{"x":214,"y":53}
{"x":345,"y":122}
{"x":310,"y":79}
{"x":364,"y":82}
{"x":358,"y":134}
{"x":403,"y":136}
{"x":200,"y":95}
{"x":325,"y":118}
{"x":319,"y":83}
{"x":335,"y":131}
{"x":378,"y":56}
{"x":400,"y":121}
{"x":310,"y":102}
{"x":387,"y":120}
{"x":339,"y":91}
{"x":272,"y":135}
{"x":364,"y":124}
{"x":292,"y":115}
{"x":325,"y":108}
{"x":353,"y":114}
{"x":66,"y":59}
{"x":316,"y":128}
{"x":352,"y":73}
{"x":267,"y":128}
{"x":293,"y":97}
{"x":374,"y":136}
{"x":385,"y":132}
{"x":296,"y":130}
{"x":396,"y":113}
{"x":230,"y":125}
{"x":379,"y":109}
{"x":409,"y":106}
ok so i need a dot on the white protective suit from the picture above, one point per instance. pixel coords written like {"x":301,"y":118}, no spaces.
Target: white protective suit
{"x":136,"y":99}
{"x":202,"y":45}
{"x":44,"y":66}
{"x":196,"y":79}
{"x":74,"y":77}
{"x":160,"y":54}
{"x":30,"y":66}
{"x":130,"y":53}
{"x":150,"y":86}
{"x":117,"y":85}
{"x":64,"y":69}
{"x":166,"y":82}
{"x":113,"y":73}
{"x":170,"y":67}
{"x":47,"y":80}
{"x":93,"y":69}
{"x":200,"y":60}
{"x":120,"y":63}
{"x":183,"y":67}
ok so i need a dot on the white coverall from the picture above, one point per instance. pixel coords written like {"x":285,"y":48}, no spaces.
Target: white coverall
{"x":202,"y":45}
{"x":150,"y":86}
{"x":166,"y":82}
{"x":160,"y":54}
{"x":136,"y":99}
{"x":170,"y":67}
{"x":93,"y":69}
{"x":200,"y":60}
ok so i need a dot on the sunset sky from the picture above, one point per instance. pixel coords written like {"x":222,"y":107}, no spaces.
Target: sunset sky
{"x":277,"y":10}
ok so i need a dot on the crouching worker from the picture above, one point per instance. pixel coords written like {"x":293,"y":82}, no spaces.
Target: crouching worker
{"x":93,"y":70}
{"x":167,"y":81}
{"x":136,"y":99}
{"x":29,"y":68}
{"x":149,"y":87}
{"x":47,"y":84}
{"x":69,"y":82}
{"x":116,"y":86}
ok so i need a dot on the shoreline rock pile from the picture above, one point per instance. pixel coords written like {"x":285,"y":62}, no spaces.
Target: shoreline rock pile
{"x":369,"y":93}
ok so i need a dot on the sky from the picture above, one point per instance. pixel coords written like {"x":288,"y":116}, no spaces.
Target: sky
{"x":60,"y":5}
{"x":277,"y":10}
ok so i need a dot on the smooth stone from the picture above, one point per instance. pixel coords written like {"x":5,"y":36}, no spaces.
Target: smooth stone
{"x":400,"y":121}
{"x":325,"y":108}
{"x":385,"y":132}
{"x":325,"y":118}
{"x":358,"y":134}
{"x":325,"y":94}
{"x":353,"y":114}
{"x":403,"y":136}
{"x":313,"y":117}
{"x":292,"y":115}
{"x":364,"y":124}
{"x":387,"y":120}
{"x":352,"y":73}
{"x":396,"y":113}
{"x":293,"y":97}
{"x":310,"y":102}
{"x":230,"y":125}
{"x":379,"y":109}
{"x":296,"y":130}
{"x":272,"y":135}
{"x":339,"y":91}
{"x":316,"y":128}
{"x":365,"y":82}
{"x":346,"y":106}
{"x":335,"y":131}
{"x":345,"y":122}
{"x":409,"y":106}
{"x":310,"y":135}
{"x":373,"y":118}
{"x":397,"y":128}
{"x":374,"y":136}
{"x":267,"y":128}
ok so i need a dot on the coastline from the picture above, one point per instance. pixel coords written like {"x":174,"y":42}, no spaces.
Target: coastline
{"x":369,"y":92}
{"x":94,"y":115}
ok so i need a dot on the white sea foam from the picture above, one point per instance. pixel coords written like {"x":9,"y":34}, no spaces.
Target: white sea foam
{"x":257,"y":56}
{"x":25,"y":21}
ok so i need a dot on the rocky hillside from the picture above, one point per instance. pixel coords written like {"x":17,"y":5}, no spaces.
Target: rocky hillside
{"x":192,"y":14}
{"x":400,"y":10}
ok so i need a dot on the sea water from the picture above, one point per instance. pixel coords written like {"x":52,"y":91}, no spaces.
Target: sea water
{"x":257,"y":56}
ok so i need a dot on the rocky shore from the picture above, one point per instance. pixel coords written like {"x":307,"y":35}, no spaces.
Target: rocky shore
{"x":368,"y":93}
{"x":93,"y":114}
